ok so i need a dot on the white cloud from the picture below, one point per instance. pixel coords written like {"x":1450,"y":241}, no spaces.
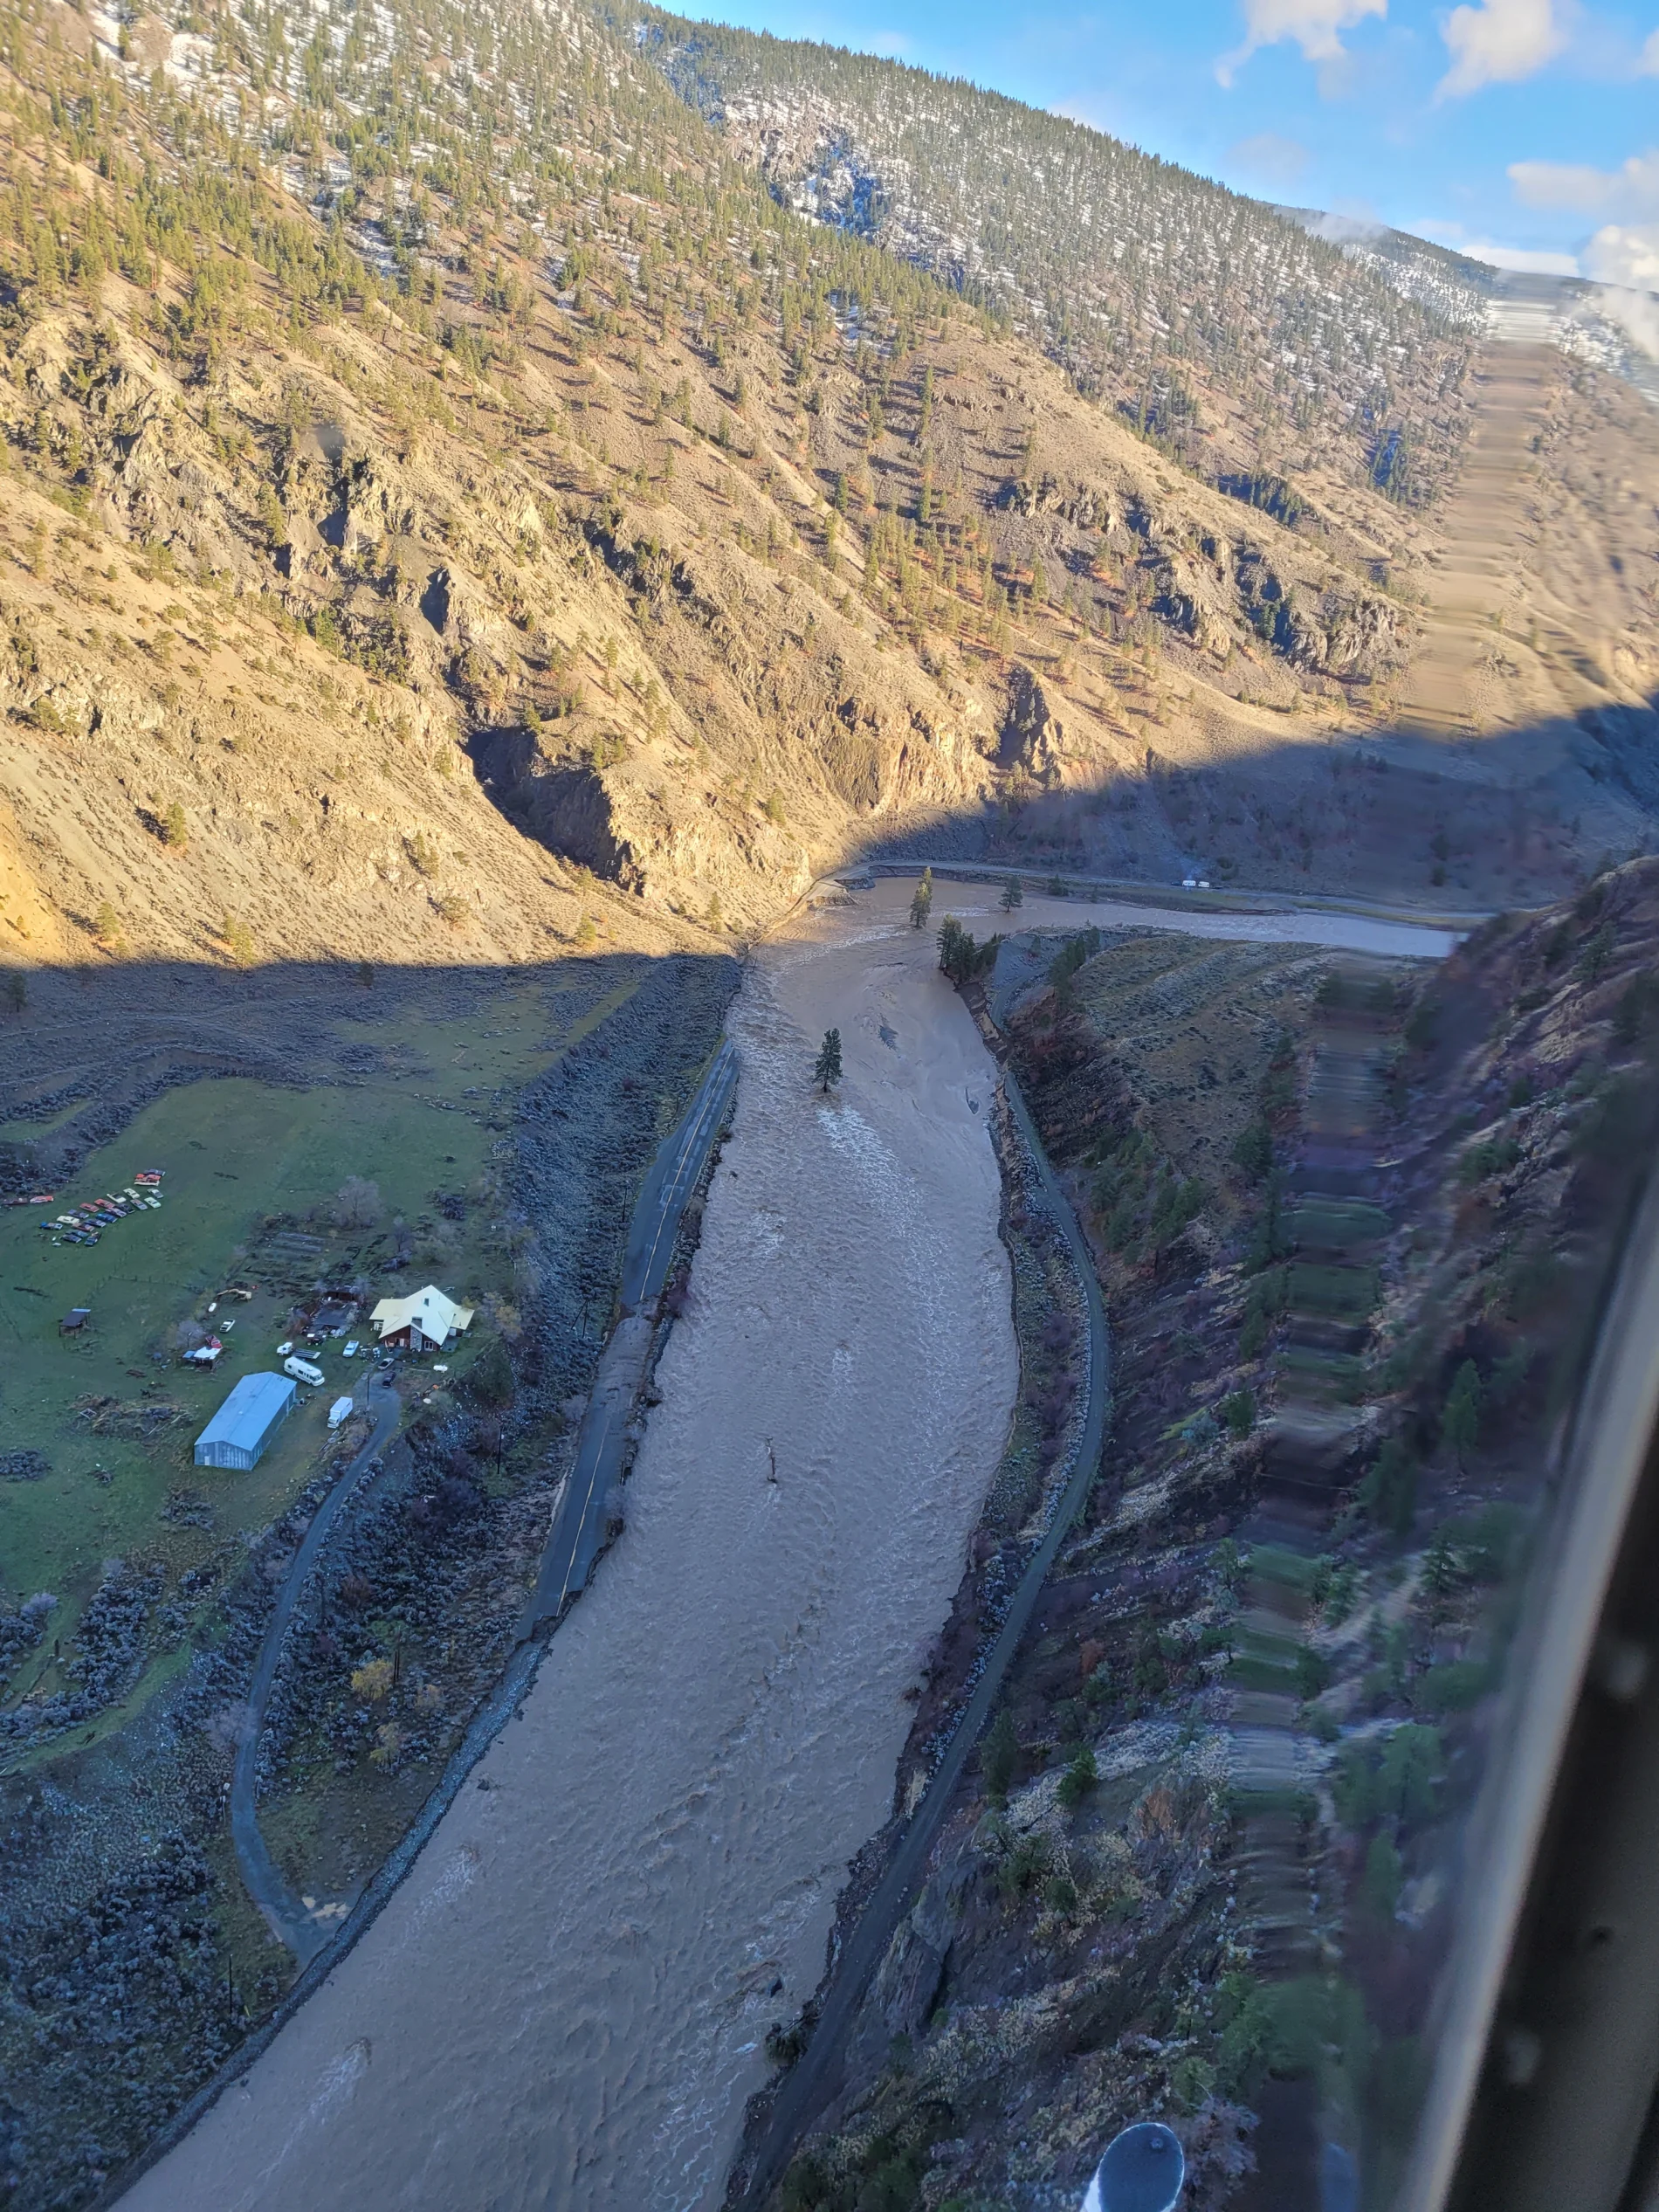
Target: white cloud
{"x":1312,"y":24}
{"x":1270,"y":158}
{"x":1630,"y":189}
{"x":1648,"y":61}
{"x":1526,"y":261}
{"x":1628,"y":256}
{"x":1498,"y":43}
{"x":1088,"y":112}
{"x":1625,"y":253}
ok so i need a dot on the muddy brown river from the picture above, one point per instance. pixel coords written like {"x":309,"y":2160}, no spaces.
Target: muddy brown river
{"x":564,"y":2004}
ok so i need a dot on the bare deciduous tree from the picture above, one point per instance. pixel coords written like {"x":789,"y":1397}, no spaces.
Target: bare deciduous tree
{"x":357,"y":1203}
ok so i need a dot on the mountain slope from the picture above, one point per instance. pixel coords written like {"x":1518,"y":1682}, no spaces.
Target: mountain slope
{"x":438,"y":393}
{"x":697,"y":539}
{"x":1154,"y":287}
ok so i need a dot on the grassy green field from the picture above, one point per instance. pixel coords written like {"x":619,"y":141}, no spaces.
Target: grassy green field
{"x":236,"y":1152}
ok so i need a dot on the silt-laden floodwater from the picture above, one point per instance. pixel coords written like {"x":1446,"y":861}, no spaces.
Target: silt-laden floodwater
{"x":564,"y":2004}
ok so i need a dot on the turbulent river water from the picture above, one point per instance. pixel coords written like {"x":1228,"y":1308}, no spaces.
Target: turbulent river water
{"x":564,"y":2004}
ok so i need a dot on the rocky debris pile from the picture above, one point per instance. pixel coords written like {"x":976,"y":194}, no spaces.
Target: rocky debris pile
{"x":187,"y":1508}
{"x":584,"y":1136}
{"x":24,"y":1466}
{"x":111,"y":1417}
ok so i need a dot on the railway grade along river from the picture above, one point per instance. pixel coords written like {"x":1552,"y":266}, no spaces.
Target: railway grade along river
{"x":564,"y":2002}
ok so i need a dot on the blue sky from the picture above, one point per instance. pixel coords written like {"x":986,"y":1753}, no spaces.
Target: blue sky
{"x":1518,"y":128}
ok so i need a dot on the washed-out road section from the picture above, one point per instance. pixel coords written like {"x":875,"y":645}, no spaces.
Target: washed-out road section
{"x":564,"y":2002}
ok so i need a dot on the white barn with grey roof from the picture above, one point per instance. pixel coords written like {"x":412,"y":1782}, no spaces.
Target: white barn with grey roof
{"x":239,"y":1431}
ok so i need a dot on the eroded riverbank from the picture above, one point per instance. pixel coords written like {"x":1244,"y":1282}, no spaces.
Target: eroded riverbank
{"x":566,"y":2001}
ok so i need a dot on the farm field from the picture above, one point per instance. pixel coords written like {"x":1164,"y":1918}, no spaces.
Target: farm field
{"x":250,"y":1196}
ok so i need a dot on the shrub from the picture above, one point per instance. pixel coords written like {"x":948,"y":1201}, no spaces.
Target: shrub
{"x":1079,"y":1778}
{"x":1380,"y":1886}
{"x":357,"y":1203}
{"x":1389,"y":1491}
{"x":1637,"y":1012}
{"x":454,"y":910}
{"x":1075,"y":953}
{"x":239,"y":940}
{"x":1247,"y":2039}
{"x":1459,"y":1420}
{"x":1238,"y":1412}
{"x":1192,"y":2082}
{"x":490,"y":1377}
{"x":1451,"y":1688}
{"x":176,"y":831}
{"x":372,"y":1681}
{"x":1399,"y":1781}
{"x":1025,"y":1866}
{"x":1253,"y":1151}
{"x":106,"y":926}
{"x":999,"y":1755}
{"x":783,"y":2046}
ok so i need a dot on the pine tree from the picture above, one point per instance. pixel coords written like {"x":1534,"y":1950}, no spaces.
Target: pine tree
{"x":999,"y":1755}
{"x":921,"y":904}
{"x":1460,"y":1422}
{"x":827,"y":1068}
{"x":1013,"y":895}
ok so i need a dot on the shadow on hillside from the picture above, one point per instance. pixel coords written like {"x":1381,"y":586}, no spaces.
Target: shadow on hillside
{"x":93,"y":1044}
{"x":1515,"y":818}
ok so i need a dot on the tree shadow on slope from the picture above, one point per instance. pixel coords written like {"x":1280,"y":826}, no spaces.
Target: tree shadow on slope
{"x":1514,"y":818}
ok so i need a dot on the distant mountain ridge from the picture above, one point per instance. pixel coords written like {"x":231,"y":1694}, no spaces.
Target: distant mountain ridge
{"x":1608,"y":326}
{"x":1151,"y":285}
